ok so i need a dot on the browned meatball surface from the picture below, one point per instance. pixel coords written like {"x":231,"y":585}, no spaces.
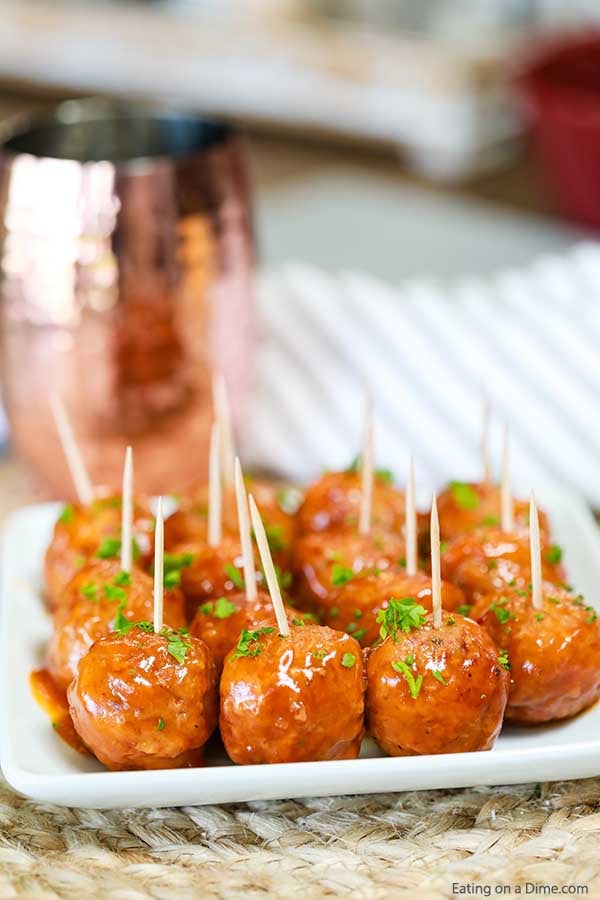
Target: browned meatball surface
{"x":436,"y":690}
{"x":219,"y":622}
{"x":332,"y":504}
{"x":99,"y":595}
{"x":292,"y":699}
{"x":488,"y":560}
{"x":145,"y":701}
{"x":324,"y":562}
{"x":86,"y":532}
{"x":210,"y":571}
{"x":466,"y":506}
{"x":554,"y":653}
{"x":359,"y":601}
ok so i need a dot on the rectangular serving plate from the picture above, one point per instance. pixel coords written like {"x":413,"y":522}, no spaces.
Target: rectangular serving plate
{"x":36,"y":763}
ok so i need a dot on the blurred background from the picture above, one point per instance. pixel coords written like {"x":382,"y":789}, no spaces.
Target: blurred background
{"x":395,"y":138}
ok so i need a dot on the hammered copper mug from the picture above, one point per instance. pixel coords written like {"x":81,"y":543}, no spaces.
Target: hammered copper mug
{"x":127,"y":261}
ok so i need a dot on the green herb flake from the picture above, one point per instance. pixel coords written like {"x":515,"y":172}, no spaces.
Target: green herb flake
{"x":464,"y":495}
{"x":450,"y":620}
{"x":122,"y":625}
{"x":334,"y":612}
{"x":400,"y":615}
{"x":275,"y":538}
{"x":490,"y":521}
{"x":443,"y":546}
{"x":358,"y":613}
{"x":385,"y":476}
{"x":247,"y":638}
{"x":592,"y":614}
{"x":319,"y":654}
{"x":175,"y":562}
{"x":90,"y":590}
{"x":160,"y":725}
{"x":414,"y":684}
{"x":67,"y":514}
{"x":109,"y":548}
{"x":463,"y":610}
{"x":402,"y":562}
{"x":554,"y":554}
{"x":172,"y":579}
{"x":502,"y":614}
{"x":503,"y":660}
{"x":359,"y":635}
{"x":177,"y":646}
{"x":348,"y":660}
{"x":439,"y":677}
{"x":235,"y":576}
{"x":539,"y":617}
{"x":112,"y":592}
{"x":122,"y":579}
{"x":340,"y":575}
{"x":224,"y":608}
{"x":554,"y":600}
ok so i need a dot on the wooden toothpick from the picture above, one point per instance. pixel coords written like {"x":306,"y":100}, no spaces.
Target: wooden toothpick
{"x":214,"y":488}
{"x":223,"y":416}
{"x":436,"y":576}
{"x":77,"y":467}
{"x":535,"y":551}
{"x":485,"y":437}
{"x":268,"y":568}
{"x":245,"y":533}
{"x":410,"y":522}
{"x":366,"y":492}
{"x":507,"y":518}
{"x":159,"y":541}
{"x":127,"y":512}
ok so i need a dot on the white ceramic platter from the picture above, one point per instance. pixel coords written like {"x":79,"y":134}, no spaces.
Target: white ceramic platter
{"x":38,"y":764}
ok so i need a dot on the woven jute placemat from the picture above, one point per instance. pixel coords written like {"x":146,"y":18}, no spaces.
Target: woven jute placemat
{"x":426,"y":844}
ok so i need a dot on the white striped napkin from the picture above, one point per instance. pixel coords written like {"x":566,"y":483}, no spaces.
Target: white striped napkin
{"x":531,"y":336}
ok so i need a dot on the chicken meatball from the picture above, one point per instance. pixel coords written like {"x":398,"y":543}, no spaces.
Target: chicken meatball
{"x":86,"y":532}
{"x":142,"y":700}
{"x":292,"y":698}
{"x":99,"y":596}
{"x":435,"y":690}
{"x":553,"y":652}
{"x":332,"y":503}
{"x":360,"y":600}
{"x":465,"y":507}
{"x":488,"y":560}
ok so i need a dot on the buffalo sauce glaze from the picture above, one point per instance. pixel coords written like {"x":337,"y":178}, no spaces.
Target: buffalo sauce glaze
{"x":554,"y":652}
{"x":332,"y":504}
{"x":467,"y":506}
{"x":411,"y":710}
{"x":53,"y":700}
{"x":293,"y":698}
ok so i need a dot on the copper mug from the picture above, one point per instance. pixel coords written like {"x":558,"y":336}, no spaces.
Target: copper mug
{"x":127,"y":260}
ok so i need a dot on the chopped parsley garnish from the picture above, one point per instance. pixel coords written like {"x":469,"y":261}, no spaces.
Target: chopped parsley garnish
{"x":358,"y":613}
{"x":539,"y":616}
{"x":492,"y":564}
{"x":578,"y":600}
{"x":443,"y":546}
{"x":177,"y":646}
{"x":284,"y":578}
{"x":439,"y":677}
{"x":402,"y":562}
{"x":122,"y":623}
{"x":224,"y":608}
{"x":414,"y":684}
{"x":450,"y":620}
{"x":160,"y":725}
{"x":175,"y":562}
{"x":334,"y":612}
{"x":359,"y":635}
{"x":490,"y":521}
{"x":112,"y":592}
{"x":348,"y":660}
{"x":340,"y":575}
{"x":554,"y":600}
{"x":400,"y":615}
{"x":463,"y":610}
{"x":275,"y":538}
{"x":90,"y":590}
{"x":319,"y":654}
{"x":503,"y":660}
{"x":123,"y":578}
{"x":247,"y":638}
{"x":303,"y":618}
{"x":386,"y":476}
{"x":502,"y":614}
{"x":235,"y":576}
{"x":172,"y":579}
{"x":554,"y":554}
{"x":108,"y":548}
{"x":464,"y":495}
{"x":592,"y":614}
{"x":67,"y":514}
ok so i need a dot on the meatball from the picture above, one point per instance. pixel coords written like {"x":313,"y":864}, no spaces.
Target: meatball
{"x":436,"y":690}
{"x":96,"y":597}
{"x":219,"y":622}
{"x":464,"y":507}
{"x":293,"y":698}
{"x":209,"y":572}
{"x":322,"y":563}
{"x":85,"y":532}
{"x":142,"y":700}
{"x":332,"y":503}
{"x":488,"y":560}
{"x":359,"y":601}
{"x":553,"y":652}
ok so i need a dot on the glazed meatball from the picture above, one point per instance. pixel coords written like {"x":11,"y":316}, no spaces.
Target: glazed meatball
{"x":85,"y":532}
{"x":332,"y":504}
{"x":94,"y":599}
{"x":359,"y":601}
{"x":436,"y":690}
{"x":488,"y":560}
{"x":219,"y":622}
{"x":210,"y":572}
{"x":464,"y":507}
{"x":553,"y":652}
{"x":294,"y":698}
{"x":322,"y":563}
{"x":142,"y":700}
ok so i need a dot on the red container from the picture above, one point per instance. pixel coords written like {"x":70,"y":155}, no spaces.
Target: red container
{"x":560,"y":89}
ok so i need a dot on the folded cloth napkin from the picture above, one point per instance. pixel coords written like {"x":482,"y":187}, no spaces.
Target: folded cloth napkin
{"x":530,"y":338}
